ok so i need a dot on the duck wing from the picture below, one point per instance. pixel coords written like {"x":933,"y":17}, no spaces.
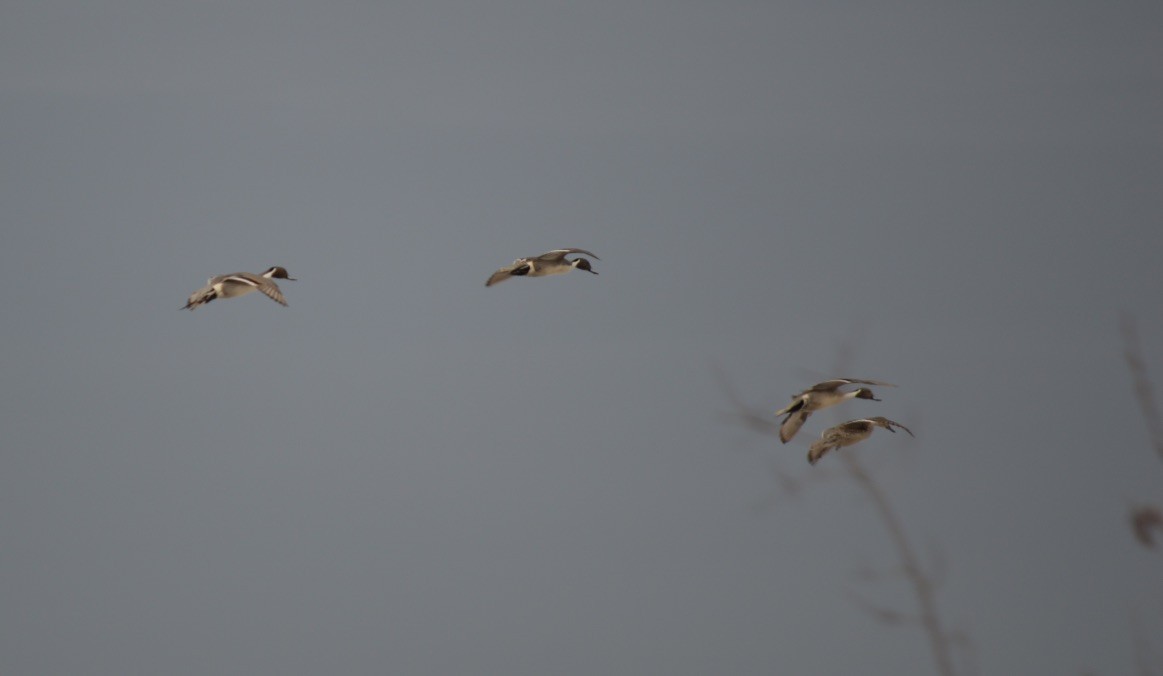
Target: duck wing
{"x":269,"y":288}
{"x":517,"y":267}
{"x":558,"y":254}
{"x":837,"y":382}
{"x":818,"y":449}
{"x":792,"y":424}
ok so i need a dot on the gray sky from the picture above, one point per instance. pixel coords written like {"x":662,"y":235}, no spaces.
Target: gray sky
{"x":405,"y":472}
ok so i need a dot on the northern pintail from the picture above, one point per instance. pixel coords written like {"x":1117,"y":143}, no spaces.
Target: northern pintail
{"x":550,"y":263}
{"x":820,"y":396}
{"x":239,"y":284}
{"x":851,"y":432}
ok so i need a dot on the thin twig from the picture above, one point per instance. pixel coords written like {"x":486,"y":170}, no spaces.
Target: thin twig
{"x":1144,"y":393}
{"x":880,"y":613}
{"x":929,"y":619}
{"x":1145,"y":519}
{"x":922,"y":584}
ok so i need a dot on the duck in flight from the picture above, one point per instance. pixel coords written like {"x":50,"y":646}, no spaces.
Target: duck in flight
{"x":239,"y":284}
{"x":549,"y":263}
{"x":821,"y":396}
{"x":851,"y":432}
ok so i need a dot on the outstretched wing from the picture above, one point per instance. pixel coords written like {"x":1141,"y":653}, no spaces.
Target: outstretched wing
{"x":837,"y":437}
{"x":892,"y":423}
{"x":818,"y":449}
{"x":792,"y":424}
{"x":558,"y":254}
{"x":852,"y":428}
{"x":269,"y":288}
{"x":857,"y":381}
{"x":836,"y":383}
{"x":796,"y":404}
{"x":517,"y":267}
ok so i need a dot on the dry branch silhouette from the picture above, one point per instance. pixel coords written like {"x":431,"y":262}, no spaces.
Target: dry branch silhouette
{"x":923,"y":585}
{"x":1146,"y":520}
{"x":1144,"y":392}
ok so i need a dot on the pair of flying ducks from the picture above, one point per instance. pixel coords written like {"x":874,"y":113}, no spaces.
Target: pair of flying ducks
{"x":826,"y":394}
{"x":241,"y":283}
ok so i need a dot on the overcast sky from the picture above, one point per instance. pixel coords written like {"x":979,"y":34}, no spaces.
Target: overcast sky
{"x":404,"y":472}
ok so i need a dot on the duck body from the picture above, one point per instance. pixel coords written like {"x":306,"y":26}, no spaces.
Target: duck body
{"x":849,"y":433}
{"x":239,"y":284}
{"x":820,"y":396}
{"x":549,"y":263}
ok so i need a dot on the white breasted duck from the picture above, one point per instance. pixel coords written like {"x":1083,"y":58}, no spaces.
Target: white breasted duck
{"x":550,"y":263}
{"x":820,"y":396}
{"x":240,"y":284}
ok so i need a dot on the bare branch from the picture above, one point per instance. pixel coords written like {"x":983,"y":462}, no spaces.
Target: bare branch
{"x":751,"y":418}
{"x":869,"y":573}
{"x":880,"y":613}
{"x":789,"y":487}
{"x":1144,"y":393}
{"x":960,"y":640}
{"x":1146,"y":520}
{"x":929,"y":619}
